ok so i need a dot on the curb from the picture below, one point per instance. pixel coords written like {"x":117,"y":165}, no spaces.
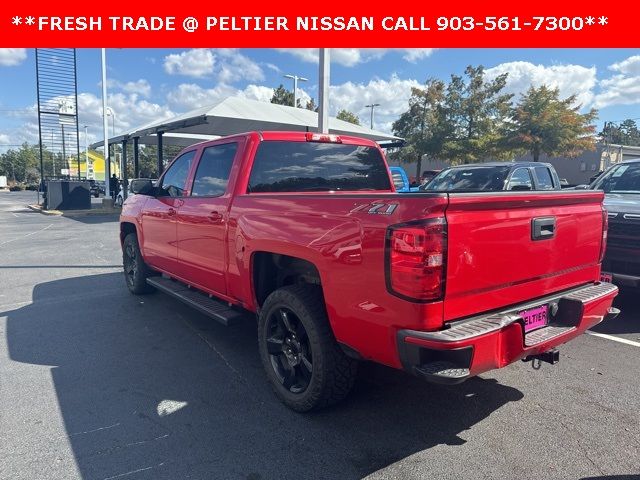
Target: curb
{"x":73,"y":213}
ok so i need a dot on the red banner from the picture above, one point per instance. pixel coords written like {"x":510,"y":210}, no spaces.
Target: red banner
{"x":328,"y":24}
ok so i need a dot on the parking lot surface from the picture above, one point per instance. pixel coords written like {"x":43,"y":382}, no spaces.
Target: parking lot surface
{"x":98,"y":384}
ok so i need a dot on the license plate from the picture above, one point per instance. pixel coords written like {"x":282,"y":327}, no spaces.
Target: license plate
{"x":534,"y":317}
{"x":606,"y":277}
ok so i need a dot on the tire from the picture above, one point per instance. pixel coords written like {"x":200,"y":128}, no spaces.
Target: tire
{"x":304,"y":363}
{"x":136,"y":271}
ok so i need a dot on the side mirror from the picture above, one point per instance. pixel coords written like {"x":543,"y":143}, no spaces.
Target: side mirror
{"x":581,"y":187}
{"x":142,"y":186}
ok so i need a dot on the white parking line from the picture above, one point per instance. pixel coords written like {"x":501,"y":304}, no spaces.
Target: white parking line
{"x":615,"y":339}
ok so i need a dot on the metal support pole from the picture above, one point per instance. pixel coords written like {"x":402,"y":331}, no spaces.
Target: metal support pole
{"x":64,"y":150}
{"x":372,"y":107}
{"x":75,"y":83}
{"x":160,"y":164}
{"x":86,"y":151}
{"x":323,"y":91}
{"x":105,"y":126}
{"x":125,"y":181}
{"x":136,"y":158}
{"x":41,"y":187}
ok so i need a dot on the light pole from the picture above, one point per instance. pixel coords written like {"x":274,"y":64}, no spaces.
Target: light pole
{"x":295,"y":79}
{"x":105,"y":125}
{"x":324,"y":66}
{"x":372,"y":107}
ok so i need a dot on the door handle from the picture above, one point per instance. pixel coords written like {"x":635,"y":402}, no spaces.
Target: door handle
{"x":171,"y":212}
{"x":215,"y":217}
{"x":543,"y":228}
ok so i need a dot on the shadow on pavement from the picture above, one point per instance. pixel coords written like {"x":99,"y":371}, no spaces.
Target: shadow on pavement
{"x":147,"y":386}
{"x":629,"y":319}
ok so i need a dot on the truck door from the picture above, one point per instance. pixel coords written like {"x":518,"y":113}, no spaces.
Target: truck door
{"x":202,"y":220}
{"x":159,"y":216}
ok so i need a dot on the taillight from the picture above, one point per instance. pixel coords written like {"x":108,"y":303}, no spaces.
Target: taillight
{"x":323,"y":137}
{"x":416,"y":260}
{"x":605,"y":228}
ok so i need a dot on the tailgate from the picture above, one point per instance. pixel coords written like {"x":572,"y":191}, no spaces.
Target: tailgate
{"x":494,"y":259}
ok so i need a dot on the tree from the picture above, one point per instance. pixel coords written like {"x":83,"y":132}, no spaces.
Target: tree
{"x":626,"y":133}
{"x":424,"y":125}
{"x":311,"y":105}
{"x":348,"y":116}
{"x":282,"y":96}
{"x":543,"y":123}
{"x":476,"y":110}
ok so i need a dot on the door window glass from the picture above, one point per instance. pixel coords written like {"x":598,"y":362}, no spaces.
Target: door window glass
{"x":174,"y":180}
{"x":212,"y":175}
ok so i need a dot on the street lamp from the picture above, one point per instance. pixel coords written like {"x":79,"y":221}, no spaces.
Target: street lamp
{"x":372,"y":107}
{"x":295,"y":79}
{"x":105,"y":124}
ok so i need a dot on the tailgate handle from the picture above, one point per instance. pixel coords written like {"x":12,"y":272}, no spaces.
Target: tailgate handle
{"x":543,"y":228}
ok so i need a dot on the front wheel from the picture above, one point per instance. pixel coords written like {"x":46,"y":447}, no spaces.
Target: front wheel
{"x":304,"y":363}
{"x":136,"y":271}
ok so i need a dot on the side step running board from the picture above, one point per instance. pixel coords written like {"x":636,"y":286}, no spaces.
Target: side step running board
{"x":200,"y":301}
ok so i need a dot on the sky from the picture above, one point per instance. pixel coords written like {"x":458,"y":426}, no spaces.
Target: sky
{"x":145,"y":85}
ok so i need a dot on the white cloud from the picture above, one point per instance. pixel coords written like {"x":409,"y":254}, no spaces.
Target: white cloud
{"x":141,"y":87}
{"x":350,"y":57}
{"x":197,"y":62}
{"x":629,"y":66}
{"x":10,"y":57}
{"x":392,"y":95}
{"x":226,"y":64}
{"x":569,"y":79}
{"x":622,"y":88}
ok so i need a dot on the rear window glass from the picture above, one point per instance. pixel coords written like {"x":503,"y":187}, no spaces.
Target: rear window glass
{"x":310,"y":166}
{"x":474,"y":179}
{"x":543,"y":176}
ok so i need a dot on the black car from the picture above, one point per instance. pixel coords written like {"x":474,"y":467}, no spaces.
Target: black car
{"x":96,"y":188}
{"x":621,"y":185}
{"x":495,"y":176}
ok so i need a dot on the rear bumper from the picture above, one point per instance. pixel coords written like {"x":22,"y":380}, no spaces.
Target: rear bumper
{"x":478,"y":344}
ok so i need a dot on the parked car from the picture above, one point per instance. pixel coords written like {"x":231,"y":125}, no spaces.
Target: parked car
{"x":306,"y":231}
{"x":96,"y":188}
{"x":621,"y":185}
{"x":496,"y":176}
{"x":401,"y":180}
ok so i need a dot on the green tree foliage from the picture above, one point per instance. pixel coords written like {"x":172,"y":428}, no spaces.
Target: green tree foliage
{"x":424,"y":125}
{"x":476,"y":110}
{"x":23,"y":165}
{"x":543,"y":123}
{"x":348,"y":116}
{"x":282,"y":96}
{"x":311,"y":105}
{"x":626,"y":133}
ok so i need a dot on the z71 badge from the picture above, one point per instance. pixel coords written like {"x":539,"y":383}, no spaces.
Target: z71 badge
{"x":376,"y":208}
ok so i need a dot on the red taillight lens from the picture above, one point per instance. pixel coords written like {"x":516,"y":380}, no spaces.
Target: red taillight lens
{"x":605,"y":228}
{"x":323,"y":137}
{"x":416,"y":256}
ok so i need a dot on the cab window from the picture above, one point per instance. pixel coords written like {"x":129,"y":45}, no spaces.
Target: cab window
{"x":175,"y":178}
{"x":520,"y":180}
{"x":212,"y":175}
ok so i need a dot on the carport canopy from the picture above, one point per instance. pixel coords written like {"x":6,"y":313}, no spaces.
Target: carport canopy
{"x":237,"y":115}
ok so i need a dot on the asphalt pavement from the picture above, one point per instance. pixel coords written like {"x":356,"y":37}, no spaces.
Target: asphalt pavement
{"x":96,"y":383}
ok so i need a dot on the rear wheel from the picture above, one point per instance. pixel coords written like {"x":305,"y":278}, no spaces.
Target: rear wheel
{"x":136,"y":271}
{"x":305,"y":365}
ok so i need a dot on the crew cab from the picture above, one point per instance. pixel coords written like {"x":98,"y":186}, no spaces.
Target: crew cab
{"x":306,"y":231}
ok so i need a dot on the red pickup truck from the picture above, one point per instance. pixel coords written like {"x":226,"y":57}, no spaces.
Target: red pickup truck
{"x":306,"y":231}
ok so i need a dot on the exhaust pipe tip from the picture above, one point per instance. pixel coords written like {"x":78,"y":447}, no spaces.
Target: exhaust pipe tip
{"x":612,"y":313}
